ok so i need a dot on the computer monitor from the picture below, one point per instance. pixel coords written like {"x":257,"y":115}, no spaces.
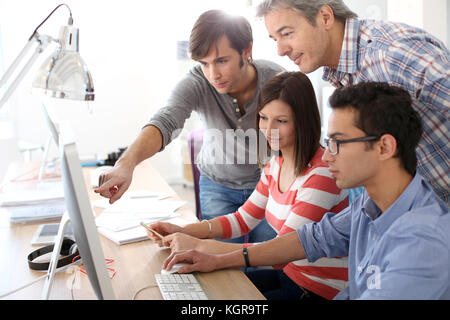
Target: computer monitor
{"x":82,"y":218}
{"x":52,"y":126}
{"x":54,"y":133}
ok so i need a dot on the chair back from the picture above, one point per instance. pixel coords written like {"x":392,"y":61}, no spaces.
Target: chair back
{"x":195,"y":141}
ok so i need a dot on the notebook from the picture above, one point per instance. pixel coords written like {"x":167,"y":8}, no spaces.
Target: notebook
{"x":135,"y":234}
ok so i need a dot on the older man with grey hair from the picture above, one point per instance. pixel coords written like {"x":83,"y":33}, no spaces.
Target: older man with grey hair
{"x":326,"y":33}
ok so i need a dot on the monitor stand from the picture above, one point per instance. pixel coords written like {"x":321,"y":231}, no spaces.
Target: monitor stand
{"x":44,"y":158}
{"x":55,"y":256}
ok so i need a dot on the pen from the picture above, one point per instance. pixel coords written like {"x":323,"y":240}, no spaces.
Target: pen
{"x":151,"y":230}
{"x":140,"y":197}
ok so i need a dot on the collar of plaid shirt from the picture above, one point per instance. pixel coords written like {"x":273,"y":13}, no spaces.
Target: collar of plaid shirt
{"x":348,"y":62}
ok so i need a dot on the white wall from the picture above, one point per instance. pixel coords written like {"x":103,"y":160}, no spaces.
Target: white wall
{"x":430,"y":15}
{"x":448,"y":23}
{"x":130,"y":49}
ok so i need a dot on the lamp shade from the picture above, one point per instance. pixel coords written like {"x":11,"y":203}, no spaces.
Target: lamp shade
{"x":64,"y":74}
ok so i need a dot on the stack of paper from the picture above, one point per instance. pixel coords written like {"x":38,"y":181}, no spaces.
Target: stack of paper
{"x":43,"y":202}
{"x":130,"y":213}
{"x":134,"y":234}
{"x":38,"y":212}
{"x":120,"y":222}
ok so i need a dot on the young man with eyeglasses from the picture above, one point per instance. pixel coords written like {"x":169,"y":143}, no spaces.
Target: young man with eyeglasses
{"x":395,"y":235}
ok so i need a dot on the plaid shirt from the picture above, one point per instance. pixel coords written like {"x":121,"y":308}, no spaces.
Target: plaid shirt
{"x":416,"y":61}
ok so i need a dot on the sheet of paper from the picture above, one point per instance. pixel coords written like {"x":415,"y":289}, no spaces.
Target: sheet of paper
{"x":135,"y":234}
{"x":37,"y":212}
{"x":43,"y":192}
{"x":144,"y":205}
{"x":123,"y":222}
{"x":125,"y":236}
{"x":135,"y":194}
{"x":131,"y":212}
{"x":179,"y":221}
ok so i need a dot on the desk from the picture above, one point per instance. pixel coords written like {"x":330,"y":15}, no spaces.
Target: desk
{"x":135,"y":263}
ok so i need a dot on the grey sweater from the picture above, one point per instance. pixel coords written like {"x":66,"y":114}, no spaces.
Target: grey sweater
{"x":228,"y":154}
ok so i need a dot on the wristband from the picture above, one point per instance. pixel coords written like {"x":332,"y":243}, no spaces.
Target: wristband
{"x":210,"y":229}
{"x":247,"y":262}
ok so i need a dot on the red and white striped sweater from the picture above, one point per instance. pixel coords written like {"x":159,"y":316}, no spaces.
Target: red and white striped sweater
{"x":309,"y":197}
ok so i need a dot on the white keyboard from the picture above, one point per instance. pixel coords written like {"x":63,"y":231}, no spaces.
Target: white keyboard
{"x":180,"y":287}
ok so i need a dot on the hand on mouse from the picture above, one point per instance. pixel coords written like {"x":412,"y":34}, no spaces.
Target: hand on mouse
{"x":197,"y":261}
{"x":174,"y":269}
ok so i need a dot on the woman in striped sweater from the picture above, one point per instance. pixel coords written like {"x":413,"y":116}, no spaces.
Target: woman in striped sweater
{"x":295,"y":188}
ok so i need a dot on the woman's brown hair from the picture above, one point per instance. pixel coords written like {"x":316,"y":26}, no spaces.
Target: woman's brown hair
{"x":296,"y":90}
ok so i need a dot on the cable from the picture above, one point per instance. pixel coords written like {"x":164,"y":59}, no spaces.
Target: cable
{"x":82,"y":269}
{"x":70,"y":19}
{"x":22,"y":287}
{"x":73,"y":282}
{"x":37,"y":280}
{"x":142,"y":289}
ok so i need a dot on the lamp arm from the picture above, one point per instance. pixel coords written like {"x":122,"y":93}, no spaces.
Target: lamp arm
{"x":43,"y":42}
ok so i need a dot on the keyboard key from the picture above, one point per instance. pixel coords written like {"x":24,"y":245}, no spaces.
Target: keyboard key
{"x":180,"y":287}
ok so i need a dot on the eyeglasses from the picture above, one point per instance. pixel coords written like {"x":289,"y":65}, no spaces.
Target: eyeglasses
{"x":333,"y":145}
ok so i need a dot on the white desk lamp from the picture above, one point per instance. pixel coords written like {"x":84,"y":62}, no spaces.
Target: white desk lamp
{"x":63,"y":75}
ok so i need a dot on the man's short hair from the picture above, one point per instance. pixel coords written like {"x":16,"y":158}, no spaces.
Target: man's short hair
{"x":384,"y":109}
{"x":211,"y":26}
{"x":307,"y":8}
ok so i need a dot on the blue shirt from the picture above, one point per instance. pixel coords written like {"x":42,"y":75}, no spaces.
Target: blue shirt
{"x":403,"y":253}
{"x":413,"y":59}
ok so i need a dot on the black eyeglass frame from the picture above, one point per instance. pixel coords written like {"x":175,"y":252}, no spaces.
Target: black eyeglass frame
{"x":338,"y":142}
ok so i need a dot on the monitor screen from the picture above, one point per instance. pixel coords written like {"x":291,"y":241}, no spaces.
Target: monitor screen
{"x":82,"y":217}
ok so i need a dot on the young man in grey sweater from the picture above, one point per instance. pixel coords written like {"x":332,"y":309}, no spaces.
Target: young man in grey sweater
{"x":223,"y":90}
